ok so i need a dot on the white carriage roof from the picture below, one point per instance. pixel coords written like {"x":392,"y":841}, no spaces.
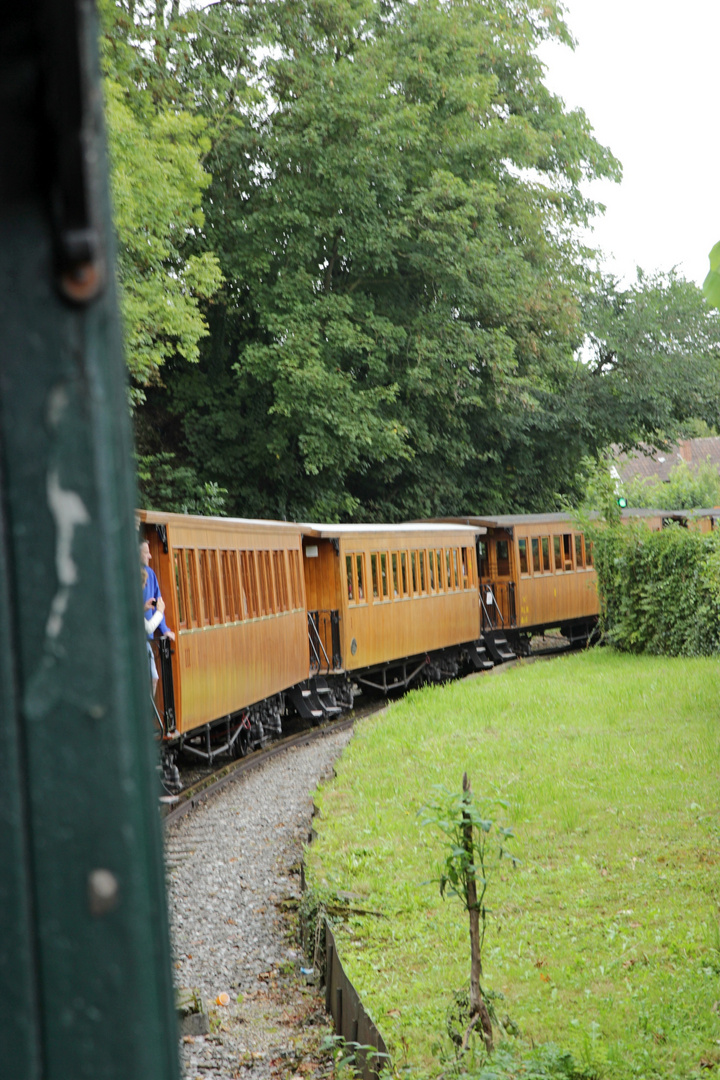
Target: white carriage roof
{"x":158,"y":517}
{"x":408,"y":528}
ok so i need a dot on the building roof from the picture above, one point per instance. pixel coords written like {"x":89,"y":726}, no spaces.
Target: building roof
{"x":649,"y":462}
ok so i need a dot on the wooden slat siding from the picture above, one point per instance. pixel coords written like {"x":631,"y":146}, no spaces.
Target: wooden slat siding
{"x":386,"y":630}
{"x":547,"y":599}
{"x":222,"y":667}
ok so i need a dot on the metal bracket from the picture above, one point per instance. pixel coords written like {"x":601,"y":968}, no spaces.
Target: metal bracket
{"x":73,"y":109}
{"x":161,"y":530}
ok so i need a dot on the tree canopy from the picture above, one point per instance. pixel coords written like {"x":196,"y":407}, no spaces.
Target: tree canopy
{"x":394,"y":210}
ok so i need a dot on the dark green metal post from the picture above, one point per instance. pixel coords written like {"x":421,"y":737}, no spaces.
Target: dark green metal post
{"x":85,"y":971}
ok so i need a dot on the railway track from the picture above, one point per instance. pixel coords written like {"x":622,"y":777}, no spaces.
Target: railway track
{"x":176,"y":807}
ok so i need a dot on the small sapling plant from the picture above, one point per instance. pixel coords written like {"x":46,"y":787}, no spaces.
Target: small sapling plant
{"x":472,"y":855}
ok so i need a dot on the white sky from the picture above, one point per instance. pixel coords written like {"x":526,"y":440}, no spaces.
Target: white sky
{"x":646,"y":73}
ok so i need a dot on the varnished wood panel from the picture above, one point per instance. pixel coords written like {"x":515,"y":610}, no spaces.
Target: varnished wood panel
{"x":224,"y":667}
{"x":390,"y":629}
{"x":228,"y":667}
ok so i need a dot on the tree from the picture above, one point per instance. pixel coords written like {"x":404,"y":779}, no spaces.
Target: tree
{"x":395,"y":223}
{"x":157,"y":181}
{"x":654,"y":360}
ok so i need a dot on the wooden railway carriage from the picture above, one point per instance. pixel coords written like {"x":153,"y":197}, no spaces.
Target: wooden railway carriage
{"x":235,"y":597}
{"x":536,"y":572}
{"x":386,"y":602}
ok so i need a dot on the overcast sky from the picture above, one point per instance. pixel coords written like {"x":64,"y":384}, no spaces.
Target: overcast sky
{"x":647,"y":75}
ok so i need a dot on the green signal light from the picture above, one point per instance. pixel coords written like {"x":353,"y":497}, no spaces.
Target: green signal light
{"x":622,"y":502}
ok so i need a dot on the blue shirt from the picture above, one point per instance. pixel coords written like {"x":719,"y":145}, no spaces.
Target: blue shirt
{"x":151,"y":591}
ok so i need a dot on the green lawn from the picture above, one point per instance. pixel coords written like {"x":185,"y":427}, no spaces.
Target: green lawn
{"x":605,"y":940}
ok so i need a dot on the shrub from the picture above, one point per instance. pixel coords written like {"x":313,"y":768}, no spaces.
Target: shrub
{"x":659,"y":591}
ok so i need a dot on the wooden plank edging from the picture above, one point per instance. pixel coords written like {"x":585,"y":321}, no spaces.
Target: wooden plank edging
{"x":350,"y":1017}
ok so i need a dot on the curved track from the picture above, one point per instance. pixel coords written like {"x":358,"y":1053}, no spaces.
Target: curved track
{"x":204,"y":789}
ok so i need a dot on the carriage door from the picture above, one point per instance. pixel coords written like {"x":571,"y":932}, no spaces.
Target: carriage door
{"x":322,"y":590}
{"x":501,"y":578}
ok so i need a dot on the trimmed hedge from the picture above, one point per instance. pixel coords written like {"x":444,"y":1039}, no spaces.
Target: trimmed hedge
{"x":659,"y":591}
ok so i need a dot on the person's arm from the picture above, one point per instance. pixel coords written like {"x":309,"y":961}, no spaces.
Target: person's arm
{"x":152,"y":623}
{"x":153,"y":619}
{"x":155,"y":593}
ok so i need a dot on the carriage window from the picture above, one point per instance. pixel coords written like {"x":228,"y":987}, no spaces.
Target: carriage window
{"x":482,"y":554}
{"x":440,"y":570}
{"x":349,"y":578}
{"x":431,"y":565}
{"x":588,"y":552}
{"x":250,"y":582}
{"x":180,"y":587}
{"x":240,"y":608}
{"x":394,"y":559}
{"x":503,"y":558}
{"x":191,"y":586}
{"x":523,"y":553}
{"x":296,"y":580}
{"x":579,"y":560}
{"x":465,"y":568}
{"x":204,"y":585}
{"x":448,"y":569}
{"x":384,"y":575}
{"x":262,"y":584}
{"x":243,"y":605}
{"x":567,"y":550}
{"x":359,"y":560}
{"x":413,"y":570}
{"x":273,"y":598}
{"x":557,"y":551}
{"x":228,"y":585}
{"x":215,"y":587}
{"x":374,"y":571}
{"x":280,"y":580}
{"x":404,"y":573}
{"x":421,"y":568}
{"x":536,"y":554}
{"x":545,"y":546}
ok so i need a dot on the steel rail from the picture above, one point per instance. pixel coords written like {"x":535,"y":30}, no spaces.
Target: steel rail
{"x":205,"y":789}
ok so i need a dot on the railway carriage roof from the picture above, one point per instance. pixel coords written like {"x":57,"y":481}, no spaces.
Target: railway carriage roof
{"x":510,"y":521}
{"x":157,"y":517}
{"x":464,"y":528}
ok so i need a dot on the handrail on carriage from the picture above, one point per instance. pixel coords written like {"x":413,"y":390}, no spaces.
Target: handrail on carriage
{"x":488,"y":622}
{"x":315,"y":640}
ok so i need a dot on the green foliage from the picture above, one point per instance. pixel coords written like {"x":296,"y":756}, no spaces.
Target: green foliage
{"x":177,"y":488}
{"x":653,"y":360}
{"x":547,"y":1062}
{"x":711,"y":284}
{"x":395,"y":223}
{"x":454,"y":813}
{"x":659,"y":591}
{"x":687,"y":487}
{"x":383,"y":281}
{"x":157,"y":180}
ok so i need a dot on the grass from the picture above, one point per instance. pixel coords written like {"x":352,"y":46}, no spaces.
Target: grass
{"x":605,"y":940}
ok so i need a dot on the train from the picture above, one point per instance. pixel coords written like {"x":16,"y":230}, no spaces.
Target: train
{"x":275,"y":618}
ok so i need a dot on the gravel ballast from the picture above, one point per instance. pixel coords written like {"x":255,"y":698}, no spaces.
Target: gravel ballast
{"x":233,"y":887}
